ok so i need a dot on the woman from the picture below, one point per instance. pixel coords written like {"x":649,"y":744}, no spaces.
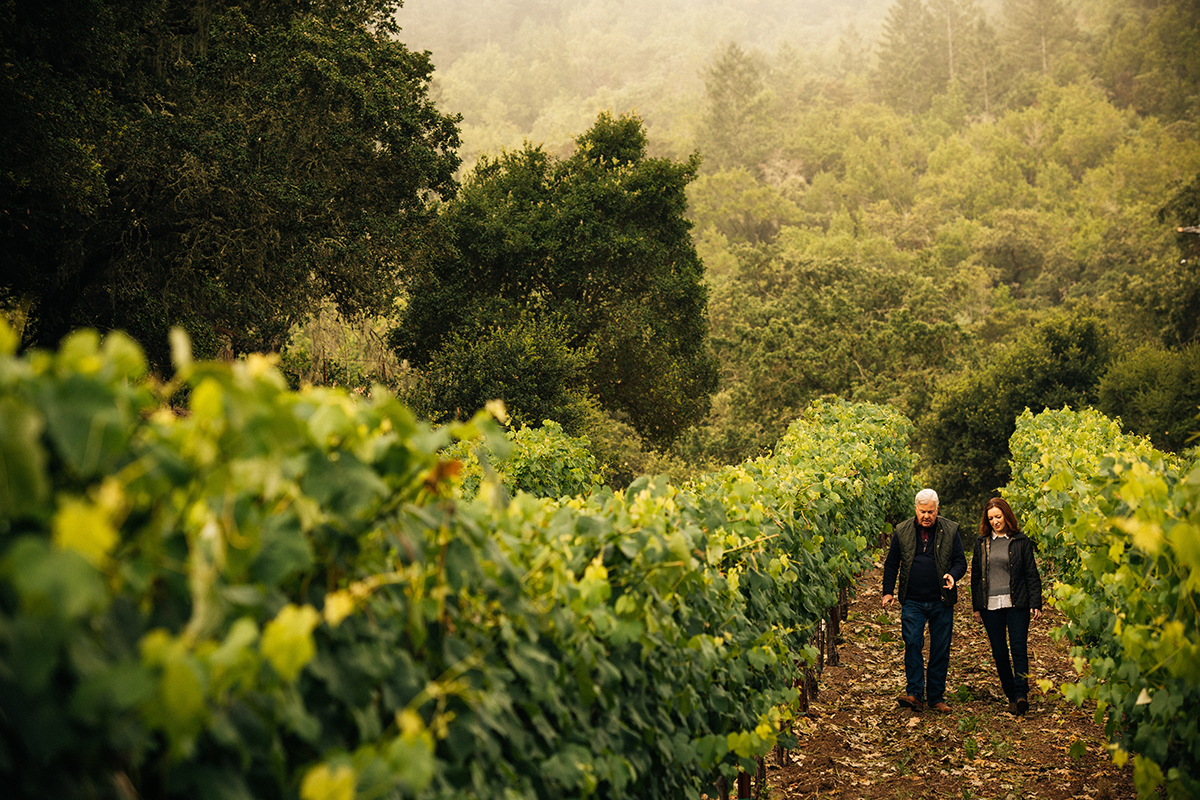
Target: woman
{"x":1005,"y":588}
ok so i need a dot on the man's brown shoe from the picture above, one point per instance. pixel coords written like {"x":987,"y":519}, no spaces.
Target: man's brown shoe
{"x":942,"y":707}
{"x":908,"y":701}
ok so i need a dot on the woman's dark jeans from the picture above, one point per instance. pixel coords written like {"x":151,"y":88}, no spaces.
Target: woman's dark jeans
{"x":1014,"y":674}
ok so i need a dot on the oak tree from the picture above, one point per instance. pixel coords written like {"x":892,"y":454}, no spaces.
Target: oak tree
{"x":228,"y":166}
{"x":965,"y":436}
{"x":597,"y":242}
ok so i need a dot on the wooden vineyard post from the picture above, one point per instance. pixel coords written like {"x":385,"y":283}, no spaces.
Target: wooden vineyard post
{"x":822,"y":628}
{"x":803,"y":686}
{"x":808,"y":689}
{"x":831,"y":637}
{"x":743,"y":786}
{"x":836,"y":614}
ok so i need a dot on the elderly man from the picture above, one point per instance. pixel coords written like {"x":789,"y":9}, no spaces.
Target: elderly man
{"x":927,"y":555}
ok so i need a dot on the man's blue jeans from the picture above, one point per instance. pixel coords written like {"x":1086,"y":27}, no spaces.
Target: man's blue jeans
{"x":914,"y":616}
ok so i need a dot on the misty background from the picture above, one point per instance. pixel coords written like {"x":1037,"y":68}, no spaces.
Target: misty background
{"x":542,"y":70}
{"x":898,"y":201}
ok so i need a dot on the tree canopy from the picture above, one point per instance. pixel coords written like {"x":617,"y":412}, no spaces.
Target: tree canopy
{"x":791,"y":326}
{"x":1155,"y":392}
{"x":1057,"y":363}
{"x":599,"y":244}
{"x":220,"y":166}
{"x":875,"y":212}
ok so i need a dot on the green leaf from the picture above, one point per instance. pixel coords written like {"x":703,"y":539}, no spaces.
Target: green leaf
{"x":287,"y":641}
{"x":411,"y":755}
{"x":283,"y":550}
{"x":86,"y":529}
{"x":117,"y":686}
{"x":54,"y":583}
{"x":86,"y":422}
{"x":328,"y":782}
{"x":24,"y":485}
{"x":342,"y":484}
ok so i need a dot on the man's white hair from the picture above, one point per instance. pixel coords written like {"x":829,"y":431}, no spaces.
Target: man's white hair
{"x":927,"y":496}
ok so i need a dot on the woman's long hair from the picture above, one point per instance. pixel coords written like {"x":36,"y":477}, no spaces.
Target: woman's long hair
{"x":1010,"y":519}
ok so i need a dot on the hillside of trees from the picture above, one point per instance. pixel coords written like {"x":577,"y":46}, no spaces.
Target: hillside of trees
{"x":961,"y":209}
{"x":668,"y":226}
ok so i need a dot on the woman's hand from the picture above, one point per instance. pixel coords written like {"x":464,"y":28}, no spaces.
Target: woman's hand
{"x":1037,"y":614}
{"x":978,"y":617}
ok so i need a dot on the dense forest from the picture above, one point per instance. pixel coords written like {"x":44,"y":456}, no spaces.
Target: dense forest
{"x":667,"y":226}
{"x":958,"y":208}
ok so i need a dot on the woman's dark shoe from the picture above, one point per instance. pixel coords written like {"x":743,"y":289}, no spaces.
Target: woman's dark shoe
{"x":1012,"y":708}
{"x":1022,"y":705}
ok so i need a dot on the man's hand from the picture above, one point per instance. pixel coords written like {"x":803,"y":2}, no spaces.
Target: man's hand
{"x":1037,"y":614}
{"x":887,"y":600}
{"x":979,"y":617}
{"x":948,"y":581}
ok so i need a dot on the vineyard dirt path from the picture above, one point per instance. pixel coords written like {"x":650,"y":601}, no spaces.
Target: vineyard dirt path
{"x":856,"y":742}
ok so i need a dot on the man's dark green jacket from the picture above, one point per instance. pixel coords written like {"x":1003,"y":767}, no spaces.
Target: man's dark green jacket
{"x":948,"y":555}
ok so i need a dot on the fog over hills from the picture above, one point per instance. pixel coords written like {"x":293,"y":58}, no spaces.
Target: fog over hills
{"x":449,"y":28}
{"x":541,"y":69}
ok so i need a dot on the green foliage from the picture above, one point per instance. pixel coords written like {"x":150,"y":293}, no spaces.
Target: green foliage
{"x":1038,"y":34}
{"x":527,"y":363}
{"x":1166,"y":294}
{"x":623,"y":455}
{"x":61,"y":60}
{"x":1071,"y":189}
{"x":278,"y":593}
{"x":1121,"y":522}
{"x":906,"y":75}
{"x":1019,"y":171}
{"x":790,"y":328}
{"x":249,"y":163}
{"x":1054,"y":453}
{"x":1018,"y":186}
{"x":872,"y":437}
{"x":981,"y":151}
{"x":734,"y":133}
{"x":1149,"y":57}
{"x":739,"y":207}
{"x":543,"y":462}
{"x":328,"y":350}
{"x":597,"y":243}
{"x":966,"y":435}
{"x":1155,"y":393}
{"x":948,"y":58}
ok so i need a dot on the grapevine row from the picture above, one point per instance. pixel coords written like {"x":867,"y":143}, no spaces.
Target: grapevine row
{"x":1118,"y":524}
{"x":271,"y":593}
